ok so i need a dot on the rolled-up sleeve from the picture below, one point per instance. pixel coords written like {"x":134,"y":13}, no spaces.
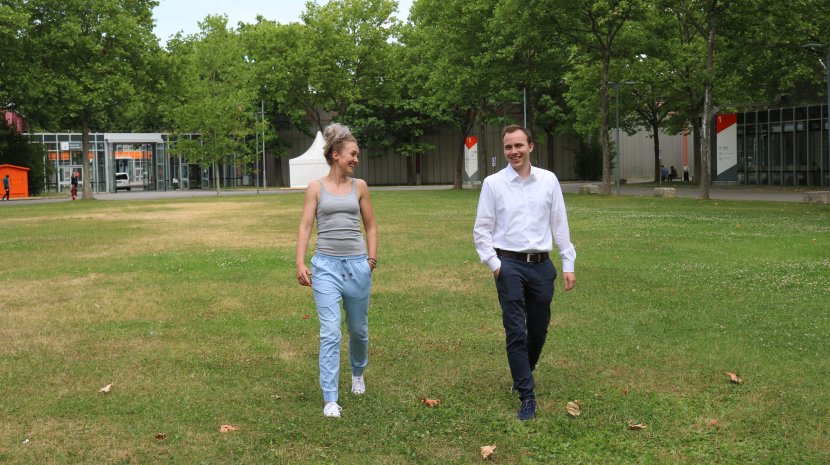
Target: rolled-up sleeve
{"x":484,"y":226}
{"x":561,"y":232}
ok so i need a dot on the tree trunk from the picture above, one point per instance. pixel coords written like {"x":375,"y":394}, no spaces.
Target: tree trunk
{"x":696,"y":135}
{"x":706,"y":149}
{"x":656,"y":131}
{"x":216,"y":177}
{"x":87,"y":189}
{"x":551,"y":150}
{"x":482,"y":140}
{"x":410,"y":170}
{"x":606,"y":142}
{"x":459,"y":165}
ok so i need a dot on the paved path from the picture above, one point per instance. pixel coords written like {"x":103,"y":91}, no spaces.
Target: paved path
{"x":773,"y":194}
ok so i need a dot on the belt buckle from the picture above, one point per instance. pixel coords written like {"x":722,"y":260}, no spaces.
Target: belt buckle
{"x":529,"y":258}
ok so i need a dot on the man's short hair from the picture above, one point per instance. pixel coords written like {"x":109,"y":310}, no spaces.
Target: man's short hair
{"x":516,"y":127}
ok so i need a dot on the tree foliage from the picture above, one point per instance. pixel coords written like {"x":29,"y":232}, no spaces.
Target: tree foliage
{"x":454,"y":62}
{"x":15,"y":149}
{"x":91,"y":62}
{"x":219,"y":98}
{"x":449,"y":38}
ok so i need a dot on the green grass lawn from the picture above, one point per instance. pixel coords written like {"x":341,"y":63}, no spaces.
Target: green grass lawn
{"x":191,"y":309}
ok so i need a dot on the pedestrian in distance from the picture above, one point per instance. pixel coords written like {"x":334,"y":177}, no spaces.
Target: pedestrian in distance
{"x":74,"y":181}
{"x":521,"y":215}
{"x":343,"y":262}
{"x":7,"y":185}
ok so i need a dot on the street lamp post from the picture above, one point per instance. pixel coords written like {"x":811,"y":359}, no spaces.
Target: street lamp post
{"x":826,"y":49}
{"x":256,"y":157}
{"x":264,"y":168}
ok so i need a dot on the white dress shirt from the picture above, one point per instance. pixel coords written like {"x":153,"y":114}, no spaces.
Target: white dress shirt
{"x":522,"y":216}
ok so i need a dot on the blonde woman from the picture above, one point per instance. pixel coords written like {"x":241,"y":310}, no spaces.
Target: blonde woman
{"x":343,"y":262}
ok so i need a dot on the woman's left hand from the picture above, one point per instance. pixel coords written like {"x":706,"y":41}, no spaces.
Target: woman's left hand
{"x":303,"y":275}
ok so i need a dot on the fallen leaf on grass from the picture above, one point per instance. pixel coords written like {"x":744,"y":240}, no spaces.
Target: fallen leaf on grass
{"x":105,"y":389}
{"x":636,"y":426}
{"x":734,"y":377}
{"x":430,"y":402}
{"x":712,"y":423}
{"x":305,"y":316}
{"x":160,"y":436}
{"x":227,"y":428}
{"x":574,"y":408}
{"x":487,"y":451}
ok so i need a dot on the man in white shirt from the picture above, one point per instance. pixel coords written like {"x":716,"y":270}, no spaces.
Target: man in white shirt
{"x":521,"y":214}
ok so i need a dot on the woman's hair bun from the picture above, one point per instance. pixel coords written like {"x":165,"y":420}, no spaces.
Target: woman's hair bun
{"x":335,"y":135}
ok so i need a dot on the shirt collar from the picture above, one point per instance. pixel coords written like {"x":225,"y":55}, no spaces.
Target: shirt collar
{"x":512,"y":175}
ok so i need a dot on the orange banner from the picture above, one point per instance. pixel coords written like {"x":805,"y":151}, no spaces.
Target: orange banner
{"x":64,"y":156}
{"x":133,"y":154}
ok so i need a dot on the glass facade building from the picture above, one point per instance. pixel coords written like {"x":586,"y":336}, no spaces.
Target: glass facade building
{"x":145,"y":157}
{"x":784,"y":147}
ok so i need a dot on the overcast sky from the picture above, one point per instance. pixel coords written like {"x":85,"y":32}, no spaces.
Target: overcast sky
{"x":183,"y":15}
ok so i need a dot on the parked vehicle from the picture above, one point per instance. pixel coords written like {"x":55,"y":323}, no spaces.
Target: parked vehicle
{"x":122,"y":181}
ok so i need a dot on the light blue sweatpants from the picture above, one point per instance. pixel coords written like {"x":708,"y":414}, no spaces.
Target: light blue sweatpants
{"x":334,"y":279}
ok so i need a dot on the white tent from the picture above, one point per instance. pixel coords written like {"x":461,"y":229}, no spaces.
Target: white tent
{"x":309,"y":166}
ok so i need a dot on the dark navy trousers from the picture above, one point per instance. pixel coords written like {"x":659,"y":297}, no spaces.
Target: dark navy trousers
{"x":525,"y":293}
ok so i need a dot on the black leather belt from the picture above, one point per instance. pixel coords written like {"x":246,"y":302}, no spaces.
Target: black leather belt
{"x":524,"y":257}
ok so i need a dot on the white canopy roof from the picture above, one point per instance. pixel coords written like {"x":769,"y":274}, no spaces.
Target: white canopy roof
{"x":310,"y":165}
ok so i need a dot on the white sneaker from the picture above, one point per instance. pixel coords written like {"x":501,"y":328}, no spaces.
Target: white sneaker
{"x":332,"y":410}
{"x":358,"y":385}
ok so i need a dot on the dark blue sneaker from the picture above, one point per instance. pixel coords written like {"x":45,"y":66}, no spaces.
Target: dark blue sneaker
{"x":528,"y":410}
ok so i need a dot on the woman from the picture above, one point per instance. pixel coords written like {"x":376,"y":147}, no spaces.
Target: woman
{"x":343,"y":262}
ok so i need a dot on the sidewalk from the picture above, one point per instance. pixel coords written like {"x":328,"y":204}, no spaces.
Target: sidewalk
{"x":193,"y":193}
{"x":771,"y":194}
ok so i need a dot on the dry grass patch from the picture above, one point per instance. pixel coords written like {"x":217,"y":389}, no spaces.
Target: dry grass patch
{"x":178,"y":226}
{"x":52,"y":315}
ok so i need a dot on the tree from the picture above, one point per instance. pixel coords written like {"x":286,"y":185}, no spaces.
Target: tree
{"x":449,"y":37}
{"x":89,"y":65}
{"x":13,"y":19}
{"x":347,"y":53}
{"x":394,"y":123}
{"x":219,"y":100}
{"x":528,"y":62}
{"x":703,"y":15}
{"x":15,"y":149}
{"x":594,"y":26}
{"x":648,"y":72}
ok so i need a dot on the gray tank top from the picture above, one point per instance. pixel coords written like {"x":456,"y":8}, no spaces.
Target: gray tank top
{"x":338,"y":223}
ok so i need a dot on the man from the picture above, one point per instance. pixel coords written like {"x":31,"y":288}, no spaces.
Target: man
{"x":74,"y":181}
{"x":521,"y":214}
{"x":7,"y":186}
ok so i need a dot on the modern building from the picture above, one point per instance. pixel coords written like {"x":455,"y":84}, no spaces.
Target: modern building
{"x":777,"y":147}
{"x":150,"y":165}
{"x":145,"y":157}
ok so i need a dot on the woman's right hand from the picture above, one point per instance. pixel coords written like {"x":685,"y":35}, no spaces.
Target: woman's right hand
{"x":303,"y":275}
